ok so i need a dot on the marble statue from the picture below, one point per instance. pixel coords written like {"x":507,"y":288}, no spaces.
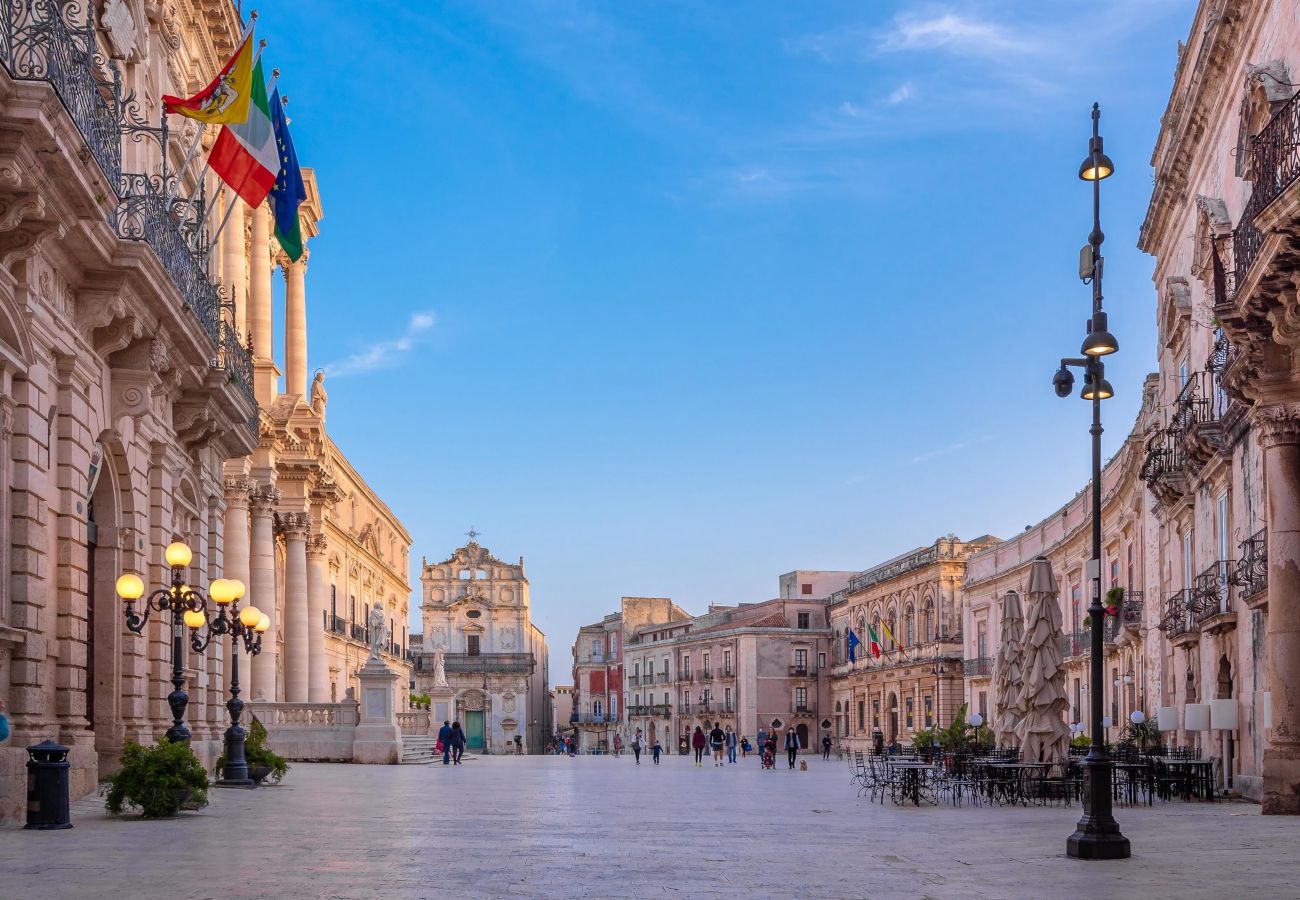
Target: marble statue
{"x":319,"y":398}
{"x":439,"y":668}
{"x":378,"y":633}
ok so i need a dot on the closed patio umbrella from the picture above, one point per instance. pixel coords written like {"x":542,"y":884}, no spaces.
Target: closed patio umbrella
{"x":1008,"y":672}
{"x":1043,"y":734}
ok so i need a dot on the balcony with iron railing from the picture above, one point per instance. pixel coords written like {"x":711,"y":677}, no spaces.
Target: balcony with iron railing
{"x":1251,"y":574}
{"x":1129,"y":616}
{"x":684,"y":709}
{"x":727,"y":672}
{"x":804,"y":671}
{"x":55,"y":43}
{"x":1163,"y":466}
{"x":1075,"y":644}
{"x":489,"y":663}
{"x":706,"y":674}
{"x":684,"y":675}
{"x":1210,"y":594}
{"x":1177,"y":619}
{"x":663,"y":710}
{"x":663,"y":677}
{"x":337,"y":625}
{"x":634,"y":680}
{"x":803,"y":709}
{"x":1274,"y":168}
{"x":979,"y":667}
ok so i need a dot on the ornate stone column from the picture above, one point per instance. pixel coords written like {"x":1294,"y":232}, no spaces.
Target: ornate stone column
{"x":318,"y":679}
{"x":261,"y":592}
{"x":259,"y":307}
{"x":234,"y":265}
{"x":1279,"y":430}
{"x":236,"y":536}
{"x":295,"y":324}
{"x":295,"y":527}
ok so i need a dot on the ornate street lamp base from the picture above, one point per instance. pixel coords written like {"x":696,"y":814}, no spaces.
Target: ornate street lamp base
{"x":1088,"y":842}
{"x":245,"y":783}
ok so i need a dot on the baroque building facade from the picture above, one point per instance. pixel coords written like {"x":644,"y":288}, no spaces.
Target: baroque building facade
{"x":479,"y":640}
{"x":140,"y":400}
{"x":913,"y":605}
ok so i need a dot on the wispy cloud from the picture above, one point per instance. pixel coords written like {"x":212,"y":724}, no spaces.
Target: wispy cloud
{"x":951,"y":448}
{"x":384,"y":354}
{"x":901,"y":94}
{"x":958,"y":34}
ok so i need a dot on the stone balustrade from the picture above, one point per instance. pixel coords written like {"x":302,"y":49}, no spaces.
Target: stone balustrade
{"x":415,"y":721}
{"x":309,"y":732}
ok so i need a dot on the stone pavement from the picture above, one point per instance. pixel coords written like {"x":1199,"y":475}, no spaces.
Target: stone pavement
{"x":600,"y":827}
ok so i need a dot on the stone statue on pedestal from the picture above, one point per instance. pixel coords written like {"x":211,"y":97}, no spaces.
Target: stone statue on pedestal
{"x":439,"y":668}
{"x":378,"y":632}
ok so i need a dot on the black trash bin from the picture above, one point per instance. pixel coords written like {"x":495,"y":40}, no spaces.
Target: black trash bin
{"x":47,"y":787}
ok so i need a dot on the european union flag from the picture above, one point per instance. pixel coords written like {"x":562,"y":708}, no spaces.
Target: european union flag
{"x":289,"y":191}
{"x":853,"y":646}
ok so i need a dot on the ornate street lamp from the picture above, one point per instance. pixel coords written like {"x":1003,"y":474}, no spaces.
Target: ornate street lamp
{"x":244,"y":626}
{"x":1097,"y":835}
{"x":186,"y":606}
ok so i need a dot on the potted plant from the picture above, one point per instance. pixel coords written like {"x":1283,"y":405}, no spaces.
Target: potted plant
{"x":262,"y":762}
{"x":1145,"y":733}
{"x":159,"y":780}
{"x":1114,"y":600}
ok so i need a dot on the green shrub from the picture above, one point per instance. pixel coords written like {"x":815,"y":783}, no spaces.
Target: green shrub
{"x":157,"y":779}
{"x":256,"y":754}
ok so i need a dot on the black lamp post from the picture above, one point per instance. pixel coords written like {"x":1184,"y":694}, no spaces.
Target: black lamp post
{"x":244,"y":626}
{"x":186,"y":606}
{"x":1097,"y":835}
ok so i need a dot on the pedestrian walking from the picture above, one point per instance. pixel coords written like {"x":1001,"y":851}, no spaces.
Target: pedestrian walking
{"x":655,"y":750}
{"x":444,"y":742}
{"x":716,"y":741}
{"x":826,"y":746}
{"x":762,"y":737}
{"x":636,"y":745}
{"x":618,"y":744}
{"x":791,"y":745}
{"x":745,"y":747}
{"x":731,"y":746}
{"x":457,"y":742}
{"x":698,"y":743}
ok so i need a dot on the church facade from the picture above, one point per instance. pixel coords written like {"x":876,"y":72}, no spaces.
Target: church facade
{"x":481,"y":651}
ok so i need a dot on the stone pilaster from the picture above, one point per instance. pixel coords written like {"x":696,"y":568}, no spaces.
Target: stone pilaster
{"x":261,"y":593}
{"x":318,"y":683}
{"x":295,"y":527}
{"x":266,"y":375}
{"x":295,"y":324}
{"x":234,"y":265}
{"x":1279,"y":431}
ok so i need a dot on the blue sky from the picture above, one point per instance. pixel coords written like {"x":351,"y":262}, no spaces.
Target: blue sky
{"x":670,"y":298}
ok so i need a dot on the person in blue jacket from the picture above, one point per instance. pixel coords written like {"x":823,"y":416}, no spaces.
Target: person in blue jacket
{"x":444,"y":737}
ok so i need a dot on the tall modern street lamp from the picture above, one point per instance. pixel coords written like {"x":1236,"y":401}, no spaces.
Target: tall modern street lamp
{"x":244,"y":626}
{"x":186,"y":606}
{"x":1097,"y":835}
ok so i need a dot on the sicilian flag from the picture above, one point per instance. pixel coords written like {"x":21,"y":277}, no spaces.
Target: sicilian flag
{"x":853,"y":646}
{"x":225,"y":101}
{"x":245,"y":155}
{"x":875,"y":641}
{"x":288,"y":192}
{"x":889,"y":634}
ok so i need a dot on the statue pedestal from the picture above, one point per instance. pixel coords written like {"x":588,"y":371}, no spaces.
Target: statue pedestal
{"x":378,"y":739}
{"x":441,"y":700}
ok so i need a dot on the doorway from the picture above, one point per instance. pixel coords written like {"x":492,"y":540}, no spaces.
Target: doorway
{"x":802,"y":731}
{"x":893,"y":718}
{"x":474,"y":729}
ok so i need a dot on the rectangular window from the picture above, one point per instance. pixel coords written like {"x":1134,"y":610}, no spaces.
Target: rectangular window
{"x":471,"y":644}
{"x":984,"y":704}
{"x":686,"y":665}
{"x":801,"y":660}
{"x":803,"y":620}
{"x":667,"y":668}
{"x":649,"y":668}
{"x":352,"y":608}
{"x":686,"y":701}
{"x":801,"y":698}
{"x":708,"y":696}
{"x":861,"y":717}
{"x":907,"y":708}
{"x":805,"y":589}
{"x":726,"y":697}
{"x":929,"y":711}
{"x":707,"y":671}
{"x":726,"y":662}
{"x":334,"y":600}
{"x":1114,"y":573}
{"x":1076,"y":607}
{"x":875,"y":713}
{"x":982,"y":639}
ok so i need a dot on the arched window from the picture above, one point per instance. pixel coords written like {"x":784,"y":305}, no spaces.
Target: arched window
{"x":892,"y":623}
{"x":909,"y":626}
{"x":927,"y":620}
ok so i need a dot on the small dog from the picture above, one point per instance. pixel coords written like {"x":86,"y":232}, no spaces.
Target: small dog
{"x":803,"y":765}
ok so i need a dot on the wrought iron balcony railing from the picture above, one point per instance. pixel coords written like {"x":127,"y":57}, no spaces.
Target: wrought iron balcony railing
{"x":663,"y":677}
{"x":1076,"y":643}
{"x":491,"y":663}
{"x":43,"y":40}
{"x":683,"y":674}
{"x":1210,"y":594}
{"x":337,"y":625}
{"x":1251,"y":574}
{"x":661,"y":709}
{"x":803,"y":671}
{"x":1177,"y":618}
{"x":1275,"y":154}
{"x":803,"y":709}
{"x":360,"y":633}
{"x":707,"y":675}
{"x":979,"y":667}
{"x":634,"y":680}
{"x":1164,"y":457}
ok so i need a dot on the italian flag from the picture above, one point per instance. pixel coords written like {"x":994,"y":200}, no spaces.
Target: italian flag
{"x":245,"y":156}
{"x":874,"y":642}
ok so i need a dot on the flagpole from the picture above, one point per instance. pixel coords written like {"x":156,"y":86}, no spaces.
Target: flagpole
{"x":261,"y":45}
{"x":270,"y":87}
{"x":194,"y":144}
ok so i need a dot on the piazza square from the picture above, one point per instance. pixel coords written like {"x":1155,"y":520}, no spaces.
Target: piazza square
{"x":601,"y":450}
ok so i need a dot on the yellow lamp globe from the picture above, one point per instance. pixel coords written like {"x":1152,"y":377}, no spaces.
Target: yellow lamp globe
{"x":222,"y":591}
{"x":238,"y":587}
{"x":177,"y":555}
{"x":250,"y":616}
{"x":263,"y":624}
{"x":130,"y":587}
{"x":194,"y":619}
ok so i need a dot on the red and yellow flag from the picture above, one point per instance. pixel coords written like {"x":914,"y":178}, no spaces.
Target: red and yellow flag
{"x":225,"y":100}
